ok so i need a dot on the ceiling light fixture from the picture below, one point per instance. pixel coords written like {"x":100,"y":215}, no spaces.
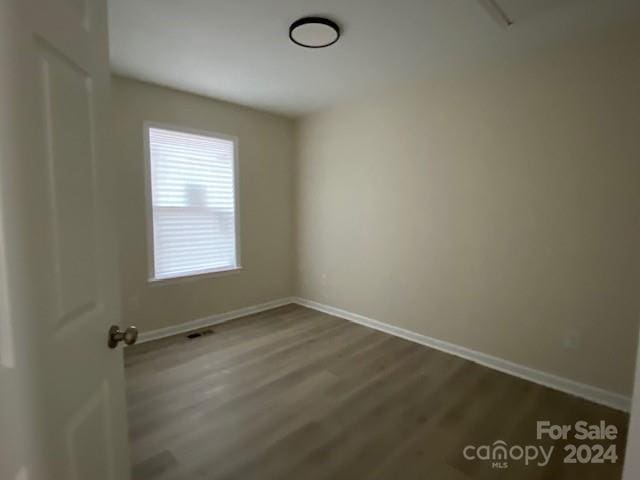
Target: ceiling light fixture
{"x":314,"y":32}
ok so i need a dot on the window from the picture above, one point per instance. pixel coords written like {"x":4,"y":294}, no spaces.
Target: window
{"x":192,"y":201}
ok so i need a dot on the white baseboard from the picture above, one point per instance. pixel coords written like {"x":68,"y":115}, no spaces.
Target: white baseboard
{"x":588,"y":392}
{"x":211,"y":320}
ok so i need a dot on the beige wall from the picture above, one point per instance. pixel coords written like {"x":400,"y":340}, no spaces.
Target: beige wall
{"x":498,"y":211}
{"x":265,"y":156}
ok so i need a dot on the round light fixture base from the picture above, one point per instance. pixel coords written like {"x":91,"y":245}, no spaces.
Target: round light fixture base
{"x":314,"y":32}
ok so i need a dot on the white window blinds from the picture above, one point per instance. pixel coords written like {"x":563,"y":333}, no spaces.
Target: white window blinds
{"x":193,"y":203}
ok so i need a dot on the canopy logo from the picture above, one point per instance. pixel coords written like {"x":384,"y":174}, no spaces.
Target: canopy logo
{"x":500,"y":454}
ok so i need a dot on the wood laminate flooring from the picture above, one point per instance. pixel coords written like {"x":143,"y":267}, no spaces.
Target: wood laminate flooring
{"x":296,"y":394}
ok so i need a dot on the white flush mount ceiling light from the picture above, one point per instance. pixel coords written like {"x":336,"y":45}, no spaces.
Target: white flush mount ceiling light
{"x":314,"y":32}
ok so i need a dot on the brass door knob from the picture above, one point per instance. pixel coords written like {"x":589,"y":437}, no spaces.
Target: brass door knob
{"x":129,"y":336}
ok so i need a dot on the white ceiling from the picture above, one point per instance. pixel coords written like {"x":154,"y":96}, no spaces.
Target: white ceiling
{"x":238,"y":50}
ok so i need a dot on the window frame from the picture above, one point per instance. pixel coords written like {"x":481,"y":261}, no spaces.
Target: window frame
{"x":205,"y":273}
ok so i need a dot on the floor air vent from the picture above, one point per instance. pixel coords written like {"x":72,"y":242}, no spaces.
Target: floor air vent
{"x":195,"y":335}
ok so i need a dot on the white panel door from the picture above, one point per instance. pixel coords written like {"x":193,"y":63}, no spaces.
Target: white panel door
{"x":59,"y":289}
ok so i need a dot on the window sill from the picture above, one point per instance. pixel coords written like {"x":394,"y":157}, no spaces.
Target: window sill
{"x":192,"y":277}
